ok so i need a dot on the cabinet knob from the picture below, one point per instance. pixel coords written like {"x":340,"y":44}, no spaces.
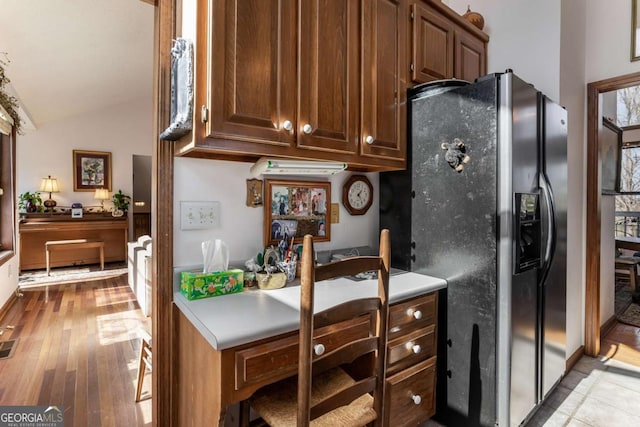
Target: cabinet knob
{"x":416,"y":399}
{"x":415,"y":348}
{"x":417,"y":314}
{"x":318,"y":349}
{"x":307,"y":129}
{"x":369,"y":139}
{"x":287,"y":125}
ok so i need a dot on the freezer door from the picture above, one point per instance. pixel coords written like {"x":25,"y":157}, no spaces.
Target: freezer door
{"x":554,"y":272}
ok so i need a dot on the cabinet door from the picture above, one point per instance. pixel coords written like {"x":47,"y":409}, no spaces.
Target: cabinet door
{"x":252,"y":70}
{"x":383,"y":129}
{"x":432,"y":42}
{"x":470,"y":59}
{"x":329,"y":73}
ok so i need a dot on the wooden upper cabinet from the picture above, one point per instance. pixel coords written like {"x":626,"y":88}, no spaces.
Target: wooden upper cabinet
{"x":471,"y":57}
{"x":252,"y":71}
{"x":433,"y":50}
{"x":329,"y":75}
{"x":384,"y":59}
{"x":444,"y":45}
{"x":320,"y":80}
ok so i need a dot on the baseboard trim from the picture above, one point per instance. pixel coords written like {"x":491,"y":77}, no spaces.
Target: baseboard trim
{"x":7,"y":305}
{"x":571,"y":362}
{"x":607,"y":326}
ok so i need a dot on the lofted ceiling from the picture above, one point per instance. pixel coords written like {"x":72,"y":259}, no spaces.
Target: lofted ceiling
{"x":68,"y":57}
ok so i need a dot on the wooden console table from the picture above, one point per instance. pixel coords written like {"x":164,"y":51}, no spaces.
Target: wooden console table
{"x":36,"y":230}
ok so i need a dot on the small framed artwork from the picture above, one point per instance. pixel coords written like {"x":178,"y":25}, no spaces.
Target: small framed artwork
{"x":254,"y":193}
{"x":91,"y":170}
{"x":295,"y":208}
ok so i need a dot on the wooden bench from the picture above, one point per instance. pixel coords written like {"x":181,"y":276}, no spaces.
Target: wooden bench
{"x":629,"y":264}
{"x":57,"y":245}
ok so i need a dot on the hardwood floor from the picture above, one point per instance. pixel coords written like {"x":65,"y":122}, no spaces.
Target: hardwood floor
{"x":622,"y":343}
{"x":80,"y":350}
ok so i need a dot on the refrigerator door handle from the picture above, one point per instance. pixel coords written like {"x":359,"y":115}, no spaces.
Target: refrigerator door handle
{"x":550,"y":214}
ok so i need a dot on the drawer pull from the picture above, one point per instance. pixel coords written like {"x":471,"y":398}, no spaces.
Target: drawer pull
{"x":416,"y":399}
{"x":318,"y":349}
{"x":415,"y":348}
{"x":417,"y":314}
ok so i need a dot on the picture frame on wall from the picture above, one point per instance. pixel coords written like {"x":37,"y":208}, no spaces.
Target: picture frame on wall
{"x":295,"y":208}
{"x":91,"y":170}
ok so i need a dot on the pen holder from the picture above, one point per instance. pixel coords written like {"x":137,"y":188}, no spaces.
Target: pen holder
{"x":289,"y":268}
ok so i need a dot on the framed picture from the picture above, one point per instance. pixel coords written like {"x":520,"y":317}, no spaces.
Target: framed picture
{"x":610,"y":152}
{"x":295,"y":208}
{"x":254,"y":193}
{"x":91,"y":170}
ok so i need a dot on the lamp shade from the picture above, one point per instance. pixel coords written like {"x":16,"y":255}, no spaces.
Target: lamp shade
{"x":102,"y":194}
{"x":49,"y":185}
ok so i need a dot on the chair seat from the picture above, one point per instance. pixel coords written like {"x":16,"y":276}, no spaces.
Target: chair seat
{"x":278,"y":403}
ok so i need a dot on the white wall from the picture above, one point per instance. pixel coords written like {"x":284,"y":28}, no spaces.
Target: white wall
{"x":123,"y":130}
{"x":241,"y":226}
{"x":608,"y":39}
{"x":524,"y":36}
{"x":572,"y":96}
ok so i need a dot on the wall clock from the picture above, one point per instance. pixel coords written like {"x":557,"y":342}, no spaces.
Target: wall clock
{"x":357,"y":194}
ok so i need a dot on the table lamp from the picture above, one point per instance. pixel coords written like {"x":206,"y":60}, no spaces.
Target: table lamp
{"x":102,"y":194}
{"x":49,"y":185}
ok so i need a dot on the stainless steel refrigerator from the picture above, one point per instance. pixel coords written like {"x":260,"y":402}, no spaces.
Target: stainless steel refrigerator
{"x":482,"y":204}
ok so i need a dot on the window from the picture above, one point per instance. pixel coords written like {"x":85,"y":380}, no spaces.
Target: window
{"x":628,"y":198}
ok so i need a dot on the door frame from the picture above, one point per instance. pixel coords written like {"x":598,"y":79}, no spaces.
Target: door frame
{"x":592,"y":231}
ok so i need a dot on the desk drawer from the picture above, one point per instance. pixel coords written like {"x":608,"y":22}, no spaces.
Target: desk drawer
{"x":410,"y":315}
{"x":410,"y":395}
{"x":275,"y":360}
{"x":410,"y":349}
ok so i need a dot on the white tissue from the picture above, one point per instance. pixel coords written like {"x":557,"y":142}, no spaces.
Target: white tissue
{"x":215,"y":256}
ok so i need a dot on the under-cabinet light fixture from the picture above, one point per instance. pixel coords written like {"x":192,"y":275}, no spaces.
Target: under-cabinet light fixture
{"x":266,"y":166}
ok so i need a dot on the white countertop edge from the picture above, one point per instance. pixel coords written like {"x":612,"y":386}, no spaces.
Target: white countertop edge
{"x":231,"y":320}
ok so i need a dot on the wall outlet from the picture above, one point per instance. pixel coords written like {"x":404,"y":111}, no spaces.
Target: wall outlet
{"x":199,"y":215}
{"x":335,"y":213}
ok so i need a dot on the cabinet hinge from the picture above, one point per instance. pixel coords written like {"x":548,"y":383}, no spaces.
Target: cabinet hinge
{"x":204,"y":114}
{"x":411,"y":16}
{"x":411,"y":67}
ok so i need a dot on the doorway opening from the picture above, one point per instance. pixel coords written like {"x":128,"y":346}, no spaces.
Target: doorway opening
{"x":141,"y":196}
{"x":594,"y":205}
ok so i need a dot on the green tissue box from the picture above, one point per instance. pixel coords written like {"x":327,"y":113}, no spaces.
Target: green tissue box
{"x":195,"y":285}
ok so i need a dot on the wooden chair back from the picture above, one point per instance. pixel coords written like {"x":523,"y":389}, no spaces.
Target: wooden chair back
{"x":312,"y":358}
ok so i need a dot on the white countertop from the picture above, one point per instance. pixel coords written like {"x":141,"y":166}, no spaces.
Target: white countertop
{"x":230,"y":320}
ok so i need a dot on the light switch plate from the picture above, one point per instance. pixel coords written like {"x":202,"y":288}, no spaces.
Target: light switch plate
{"x":199,"y":215}
{"x":335,"y":213}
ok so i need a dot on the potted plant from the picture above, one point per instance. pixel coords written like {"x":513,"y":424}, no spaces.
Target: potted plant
{"x":30,"y":202}
{"x":120,"y":203}
{"x":8,"y":102}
